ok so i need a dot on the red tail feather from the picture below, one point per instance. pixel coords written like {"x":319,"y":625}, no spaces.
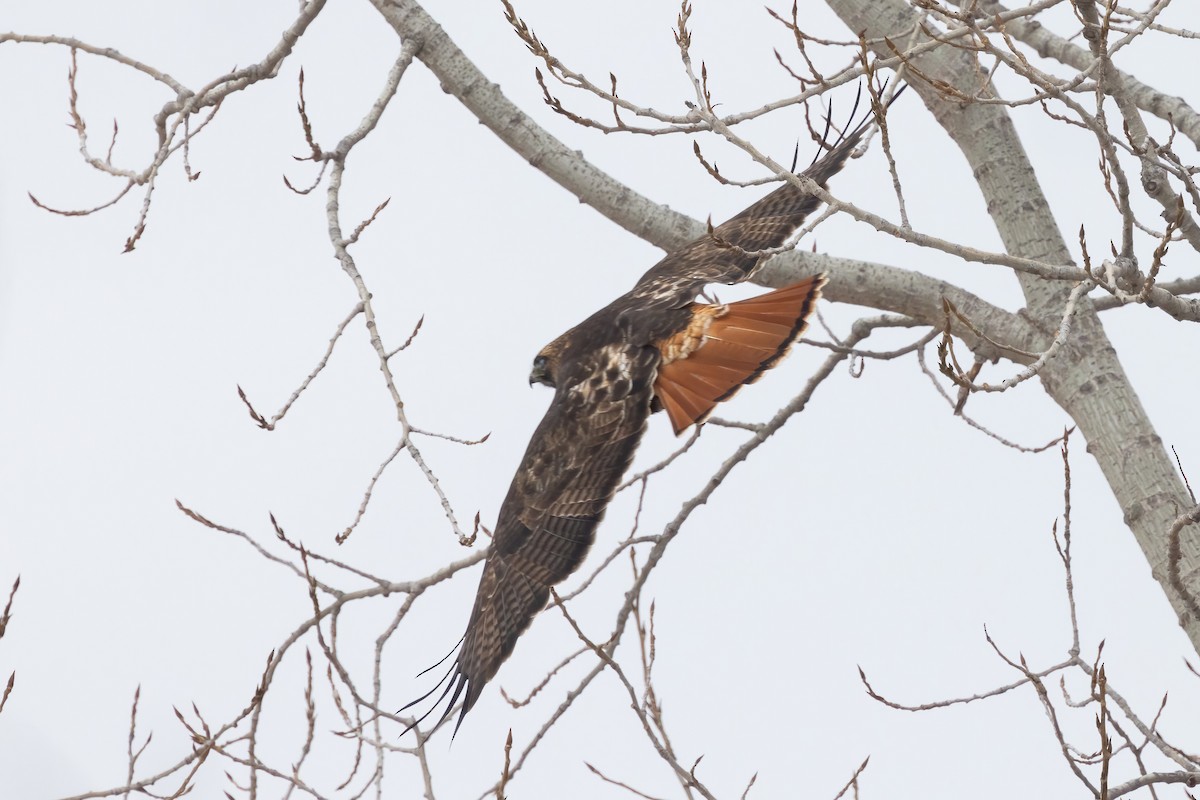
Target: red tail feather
{"x":750,"y":337}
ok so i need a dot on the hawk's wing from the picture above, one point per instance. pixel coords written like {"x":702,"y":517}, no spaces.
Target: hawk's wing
{"x":548,"y":520}
{"x":678,"y":278}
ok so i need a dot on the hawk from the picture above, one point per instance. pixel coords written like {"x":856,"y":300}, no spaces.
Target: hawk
{"x":653,"y":348}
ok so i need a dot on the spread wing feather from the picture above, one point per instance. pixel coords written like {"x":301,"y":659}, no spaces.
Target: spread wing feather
{"x":767,"y":224}
{"x":548,"y":521}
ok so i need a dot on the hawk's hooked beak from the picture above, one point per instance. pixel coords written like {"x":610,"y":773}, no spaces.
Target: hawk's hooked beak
{"x":538,"y":373}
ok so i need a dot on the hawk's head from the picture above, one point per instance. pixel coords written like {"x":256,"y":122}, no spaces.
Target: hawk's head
{"x":546,"y":362}
{"x":541,"y":373}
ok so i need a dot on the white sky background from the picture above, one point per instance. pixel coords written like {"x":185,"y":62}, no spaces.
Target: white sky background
{"x":875,"y":530}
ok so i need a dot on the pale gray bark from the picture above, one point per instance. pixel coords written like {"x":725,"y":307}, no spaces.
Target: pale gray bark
{"x":462,"y":79}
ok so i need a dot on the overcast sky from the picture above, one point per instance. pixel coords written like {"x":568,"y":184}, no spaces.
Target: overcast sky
{"x":876,"y":529}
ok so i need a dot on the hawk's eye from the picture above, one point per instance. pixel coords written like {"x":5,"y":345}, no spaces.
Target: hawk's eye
{"x":539,"y":364}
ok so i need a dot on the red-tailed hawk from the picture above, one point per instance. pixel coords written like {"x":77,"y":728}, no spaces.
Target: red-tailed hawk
{"x":653,"y":348}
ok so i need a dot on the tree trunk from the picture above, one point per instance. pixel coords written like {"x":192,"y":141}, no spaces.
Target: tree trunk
{"x":1085,"y":379}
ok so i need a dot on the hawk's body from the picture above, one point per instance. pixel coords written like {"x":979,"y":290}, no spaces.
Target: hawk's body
{"x":654,"y":347}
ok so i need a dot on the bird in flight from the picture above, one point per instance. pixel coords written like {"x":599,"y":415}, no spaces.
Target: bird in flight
{"x":653,"y":348}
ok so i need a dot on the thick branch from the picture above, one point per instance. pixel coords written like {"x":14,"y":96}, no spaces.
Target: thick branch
{"x":462,"y":79}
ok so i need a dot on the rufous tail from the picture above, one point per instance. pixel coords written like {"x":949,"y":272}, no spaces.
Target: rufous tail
{"x":737,"y":348}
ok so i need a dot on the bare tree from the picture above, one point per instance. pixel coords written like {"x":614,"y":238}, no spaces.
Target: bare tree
{"x":976,"y":66}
